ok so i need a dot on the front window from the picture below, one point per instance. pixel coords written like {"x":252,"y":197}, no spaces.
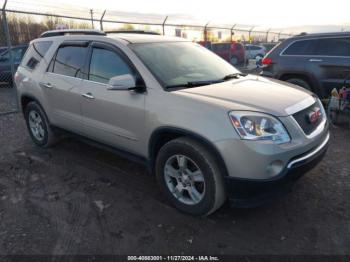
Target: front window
{"x":106,"y":64}
{"x":176,"y":64}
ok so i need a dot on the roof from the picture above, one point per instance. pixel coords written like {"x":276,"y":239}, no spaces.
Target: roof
{"x":316,"y":35}
{"x":144,"y":38}
{"x":72,"y":31}
{"x":134,"y":36}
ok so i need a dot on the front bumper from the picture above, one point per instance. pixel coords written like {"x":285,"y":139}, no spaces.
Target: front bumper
{"x":255,"y":192}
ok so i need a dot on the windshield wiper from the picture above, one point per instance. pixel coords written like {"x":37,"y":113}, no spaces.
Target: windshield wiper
{"x":194,"y":84}
{"x":231,"y":76}
{"x":206,"y":82}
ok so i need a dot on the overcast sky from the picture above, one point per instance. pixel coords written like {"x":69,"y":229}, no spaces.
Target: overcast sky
{"x":270,"y":13}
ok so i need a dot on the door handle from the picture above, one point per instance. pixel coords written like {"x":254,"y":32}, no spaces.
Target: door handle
{"x":315,"y":60}
{"x":46,"y":85}
{"x":88,"y":96}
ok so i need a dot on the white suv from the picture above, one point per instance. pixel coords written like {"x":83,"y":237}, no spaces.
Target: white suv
{"x":208,"y":132}
{"x":254,"y":51}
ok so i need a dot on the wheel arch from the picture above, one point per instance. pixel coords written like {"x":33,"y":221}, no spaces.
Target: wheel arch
{"x":25,"y":99}
{"x":162,"y":135}
{"x":313,"y":83}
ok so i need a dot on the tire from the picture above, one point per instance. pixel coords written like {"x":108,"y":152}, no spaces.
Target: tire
{"x":234,"y":60}
{"x":299,"y":82}
{"x":36,"y":119}
{"x":210,"y":194}
{"x":258,"y":57}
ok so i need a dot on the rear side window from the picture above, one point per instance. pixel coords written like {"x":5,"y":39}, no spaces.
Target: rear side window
{"x":220,"y":47}
{"x":35,"y":53}
{"x":333,"y":47}
{"x":106,"y":64}
{"x":256,"y":48}
{"x":302,"y":47}
{"x":69,"y":61}
{"x":239,"y":47}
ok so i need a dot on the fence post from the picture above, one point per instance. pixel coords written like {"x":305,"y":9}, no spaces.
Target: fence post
{"x":205,"y":32}
{"x":101,"y":20}
{"x":8,"y":41}
{"x":267,"y":34}
{"x":92,"y":18}
{"x":250,"y":31}
{"x":163,"y":25}
{"x":232,"y":33}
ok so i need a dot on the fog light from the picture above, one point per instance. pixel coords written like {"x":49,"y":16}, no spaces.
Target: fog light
{"x":274,"y":168}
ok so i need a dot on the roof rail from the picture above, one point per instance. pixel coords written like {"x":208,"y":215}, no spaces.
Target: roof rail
{"x":72,"y":32}
{"x":132,"y":32}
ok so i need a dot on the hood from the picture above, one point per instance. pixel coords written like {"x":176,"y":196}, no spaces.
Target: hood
{"x":254,"y":93}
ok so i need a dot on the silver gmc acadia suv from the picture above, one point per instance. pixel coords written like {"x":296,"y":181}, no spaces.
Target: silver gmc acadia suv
{"x":208,"y":132}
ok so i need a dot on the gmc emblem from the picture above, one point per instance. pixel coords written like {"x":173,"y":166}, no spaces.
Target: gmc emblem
{"x":314,"y":115}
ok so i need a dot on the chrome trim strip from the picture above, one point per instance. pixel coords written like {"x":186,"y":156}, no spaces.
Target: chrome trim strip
{"x":310,"y":154}
{"x":300,"y":105}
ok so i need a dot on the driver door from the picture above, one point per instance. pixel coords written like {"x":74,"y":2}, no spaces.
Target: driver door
{"x":113,"y":117}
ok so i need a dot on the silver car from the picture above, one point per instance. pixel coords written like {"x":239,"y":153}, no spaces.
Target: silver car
{"x":208,"y":132}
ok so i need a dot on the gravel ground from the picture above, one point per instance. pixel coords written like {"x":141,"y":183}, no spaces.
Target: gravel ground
{"x":75,"y":199}
{"x":7,"y":99}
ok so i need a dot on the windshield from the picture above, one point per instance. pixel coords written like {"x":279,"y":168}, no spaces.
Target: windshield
{"x":177,"y":64}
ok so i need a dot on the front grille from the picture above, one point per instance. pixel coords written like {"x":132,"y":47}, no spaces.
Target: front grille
{"x":303,"y":118}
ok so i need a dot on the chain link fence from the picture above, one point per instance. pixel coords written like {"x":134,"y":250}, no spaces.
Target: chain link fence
{"x":22,"y":21}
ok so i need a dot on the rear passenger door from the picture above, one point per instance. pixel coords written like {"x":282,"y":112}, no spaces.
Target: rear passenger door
{"x":113,"y":117}
{"x":61,"y":85}
{"x":332,"y":61}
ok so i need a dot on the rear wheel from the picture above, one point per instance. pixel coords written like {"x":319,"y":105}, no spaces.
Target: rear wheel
{"x":234,"y":60}
{"x":190,"y":177}
{"x":299,"y":82}
{"x":38,"y":125}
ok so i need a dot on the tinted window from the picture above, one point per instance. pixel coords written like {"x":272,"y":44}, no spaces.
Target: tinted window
{"x":334,"y":47}
{"x":70,"y":60}
{"x":106,"y":64}
{"x":35,"y":53}
{"x":303,"y":47}
{"x":239,"y":47}
{"x":220,"y":47}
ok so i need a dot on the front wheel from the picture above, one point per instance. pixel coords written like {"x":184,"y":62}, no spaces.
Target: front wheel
{"x":190,"y":177}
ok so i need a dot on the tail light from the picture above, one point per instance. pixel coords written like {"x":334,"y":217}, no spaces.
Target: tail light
{"x":17,"y":77}
{"x":267,"y":61}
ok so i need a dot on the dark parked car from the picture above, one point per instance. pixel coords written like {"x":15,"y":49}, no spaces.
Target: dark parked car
{"x":3,"y":49}
{"x":318,"y":62}
{"x":5,"y":64}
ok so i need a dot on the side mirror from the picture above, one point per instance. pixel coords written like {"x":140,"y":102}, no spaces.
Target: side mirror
{"x":122,"y":82}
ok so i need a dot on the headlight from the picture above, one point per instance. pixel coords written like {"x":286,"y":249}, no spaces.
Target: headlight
{"x":259,"y":126}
